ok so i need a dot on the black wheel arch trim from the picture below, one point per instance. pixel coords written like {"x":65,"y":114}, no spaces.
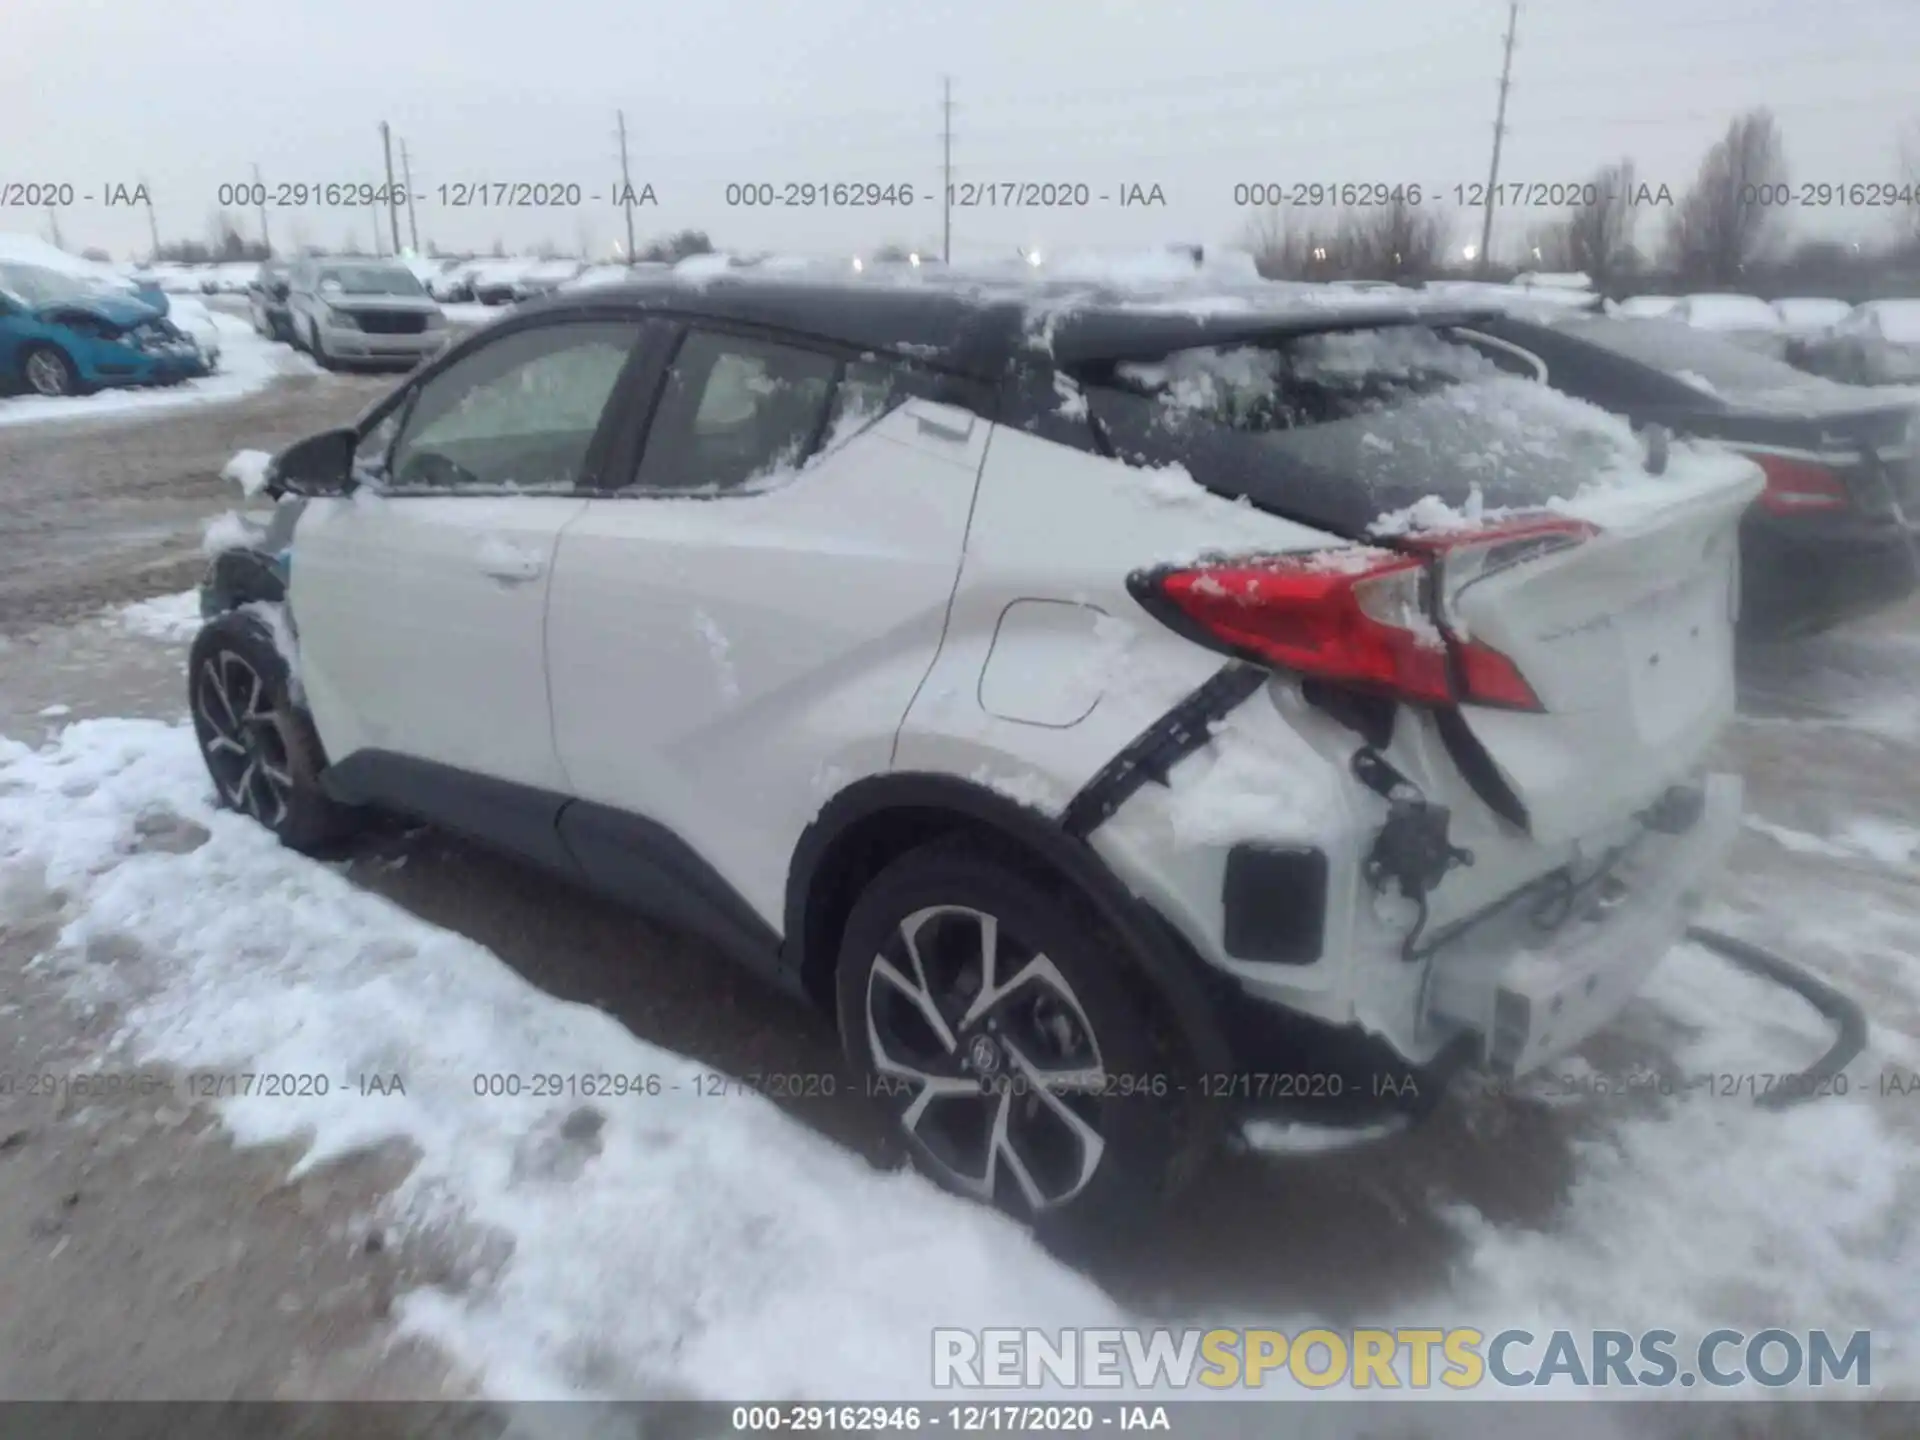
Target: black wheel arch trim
{"x":240,"y":577}
{"x":1160,"y":956}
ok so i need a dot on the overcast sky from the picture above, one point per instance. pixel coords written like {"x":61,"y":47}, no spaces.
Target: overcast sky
{"x":1193,"y":97}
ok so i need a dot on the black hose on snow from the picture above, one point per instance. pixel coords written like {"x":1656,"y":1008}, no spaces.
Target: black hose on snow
{"x":1849,"y":1020}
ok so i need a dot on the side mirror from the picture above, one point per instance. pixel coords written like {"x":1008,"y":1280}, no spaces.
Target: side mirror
{"x":319,"y":465}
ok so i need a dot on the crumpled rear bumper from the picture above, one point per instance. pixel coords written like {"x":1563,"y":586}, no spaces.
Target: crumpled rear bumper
{"x":1528,"y":996}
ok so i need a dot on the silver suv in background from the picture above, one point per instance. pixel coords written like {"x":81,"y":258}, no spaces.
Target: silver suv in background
{"x":362,"y":311}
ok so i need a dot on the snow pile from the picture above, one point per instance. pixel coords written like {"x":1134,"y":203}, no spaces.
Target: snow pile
{"x":663,"y":1242}
{"x":248,"y":470}
{"x":231,"y":531}
{"x":1254,"y":778}
{"x":171,"y":618}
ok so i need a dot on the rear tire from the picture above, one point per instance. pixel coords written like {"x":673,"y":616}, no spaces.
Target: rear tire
{"x":47,"y":371}
{"x":260,"y":748}
{"x":1057,"y":1096}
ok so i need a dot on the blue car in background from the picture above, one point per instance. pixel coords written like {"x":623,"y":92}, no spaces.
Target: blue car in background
{"x":61,"y":334}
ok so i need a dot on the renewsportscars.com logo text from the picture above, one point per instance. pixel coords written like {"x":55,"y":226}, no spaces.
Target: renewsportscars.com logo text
{"x":1401,"y":1358}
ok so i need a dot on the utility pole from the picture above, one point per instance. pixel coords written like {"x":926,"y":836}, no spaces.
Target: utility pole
{"x":406,"y":178}
{"x":153,"y":224}
{"x":266,"y":243}
{"x":393,"y":198}
{"x":946,"y":170}
{"x":626,"y":183}
{"x":1499,"y":133}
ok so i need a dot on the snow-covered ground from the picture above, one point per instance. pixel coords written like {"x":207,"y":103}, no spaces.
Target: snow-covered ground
{"x":247,"y":364}
{"x":666,"y":1242}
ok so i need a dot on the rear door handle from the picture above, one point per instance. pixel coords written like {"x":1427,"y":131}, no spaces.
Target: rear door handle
{"x":510,"y":564}
{"x":943,"y":422}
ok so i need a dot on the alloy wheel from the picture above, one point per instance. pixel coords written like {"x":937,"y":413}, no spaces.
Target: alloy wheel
{"x":47,"y":373}
{"x":994,"y":1054}
{"x":242,"y":739}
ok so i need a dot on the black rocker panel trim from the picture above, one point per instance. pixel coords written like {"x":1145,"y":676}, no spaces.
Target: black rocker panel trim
{"x":627,"y":858}
{"x":644,"y":865}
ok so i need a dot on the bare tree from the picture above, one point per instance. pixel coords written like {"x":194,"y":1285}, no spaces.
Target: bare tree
{"x":1600,"y":228}
{"x":678,"y":246}
{"x":1283,"y":248}
{"x":1396,"y":241}
{"x":1725,"y":222}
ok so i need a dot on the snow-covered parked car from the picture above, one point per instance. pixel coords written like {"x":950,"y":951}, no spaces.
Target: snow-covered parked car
{"x":1101,"y":702}
{"x":452,"y":284}
{"x":1877,"y":343}
{"x":1647,"y":307}
{"x":543,"y":277}
{"x":351,"y":312}
{"x":193,"y":317}
{"x":64,"y":334}
{"x":498,"y":282}
{"x":1805,"y":317}
{"x":1743,"y":319}
{"x":595,"y":275}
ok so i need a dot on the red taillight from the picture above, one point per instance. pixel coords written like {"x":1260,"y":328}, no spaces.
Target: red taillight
{"x":1797,"y":486}
{"x":1359,"y":618}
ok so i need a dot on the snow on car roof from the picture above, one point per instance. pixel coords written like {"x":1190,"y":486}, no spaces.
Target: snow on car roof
{"x":1731,"y":312}
{"x":1899,"y":320}
{"x":32,"y":250}
{"x":978,"y":317}
{"x":1648,"y":306}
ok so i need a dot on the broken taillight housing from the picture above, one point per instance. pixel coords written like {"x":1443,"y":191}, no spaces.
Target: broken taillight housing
{"x":1370,"y":619}
{"x":1795,"y":487}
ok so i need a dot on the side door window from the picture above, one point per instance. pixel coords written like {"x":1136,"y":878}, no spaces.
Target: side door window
{"x":735,"y":412}
{"x":519,"y":414}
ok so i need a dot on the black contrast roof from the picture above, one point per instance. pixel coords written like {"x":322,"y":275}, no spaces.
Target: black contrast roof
{"x":980,"y":328}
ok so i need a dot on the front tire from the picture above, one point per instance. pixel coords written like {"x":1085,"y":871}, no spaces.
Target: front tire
{"x":260,"y":748}
{"x":47,"y":371}
{"x":1024,"y":1066}
{"x":317,"y":347}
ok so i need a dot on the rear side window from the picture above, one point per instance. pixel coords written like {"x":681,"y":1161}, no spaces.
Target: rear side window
{"x":734,"y":410}
{"x":738,"y":413}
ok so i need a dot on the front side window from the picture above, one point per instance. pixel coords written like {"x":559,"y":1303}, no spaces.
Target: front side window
{"x":518,"y":414}
{"x":734,"y":413}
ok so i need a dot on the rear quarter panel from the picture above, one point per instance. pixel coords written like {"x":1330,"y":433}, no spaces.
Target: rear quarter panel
{"x":1049,"y":668}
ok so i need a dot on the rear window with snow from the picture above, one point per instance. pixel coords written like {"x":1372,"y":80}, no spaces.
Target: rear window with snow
{"x":1342,"y":428}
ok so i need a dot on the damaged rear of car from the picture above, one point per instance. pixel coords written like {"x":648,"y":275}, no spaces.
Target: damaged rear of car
{"x":62,"y":335}
{"x":1485,"y":652}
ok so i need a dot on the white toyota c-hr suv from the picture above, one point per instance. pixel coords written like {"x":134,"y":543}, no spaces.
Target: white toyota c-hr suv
{"x":1129,"y":714}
